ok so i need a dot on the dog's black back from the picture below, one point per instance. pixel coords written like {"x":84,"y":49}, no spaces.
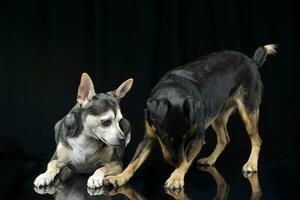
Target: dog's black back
{"x":195,"y":93}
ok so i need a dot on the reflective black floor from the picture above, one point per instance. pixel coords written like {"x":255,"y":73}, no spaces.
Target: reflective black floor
{"x":276,"y":180}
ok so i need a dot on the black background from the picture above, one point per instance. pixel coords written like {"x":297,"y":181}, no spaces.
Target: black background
{"x":46,"y":45}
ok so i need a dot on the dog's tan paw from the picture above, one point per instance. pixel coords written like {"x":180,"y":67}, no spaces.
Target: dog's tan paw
{"x":206,"y":161}
{"x":115,"y":181}
{"x":175,"y":182}
{"x":44,"y":180}
{"x":95,"y":181}
{"x":177,"y":195}
{"x":249,"y":169}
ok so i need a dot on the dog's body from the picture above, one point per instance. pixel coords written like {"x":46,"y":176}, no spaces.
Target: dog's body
{"x":91,"y":137}
{"x":190,"y":98}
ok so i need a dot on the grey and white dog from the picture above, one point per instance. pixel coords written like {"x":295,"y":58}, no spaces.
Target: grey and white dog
{"x":92,"y":137}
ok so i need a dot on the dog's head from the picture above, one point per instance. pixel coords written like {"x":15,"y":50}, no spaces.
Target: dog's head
{"x":171,"y":119}
{"x":97,"y":115}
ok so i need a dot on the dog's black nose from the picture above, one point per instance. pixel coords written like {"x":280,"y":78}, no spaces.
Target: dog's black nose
{"x":122,"y":140}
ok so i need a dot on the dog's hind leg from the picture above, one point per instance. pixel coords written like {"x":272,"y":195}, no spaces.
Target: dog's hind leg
{"x":250,"y":119}
{"x":219,"y":126}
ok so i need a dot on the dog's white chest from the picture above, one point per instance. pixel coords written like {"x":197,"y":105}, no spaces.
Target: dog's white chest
{"x":82,"y":150}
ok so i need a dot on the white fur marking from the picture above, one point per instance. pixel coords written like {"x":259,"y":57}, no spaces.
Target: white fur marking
{"x":95,"y":181}
{"x":271,"y":48}
{"x":44,"y":179}
{"x":81,"y":149}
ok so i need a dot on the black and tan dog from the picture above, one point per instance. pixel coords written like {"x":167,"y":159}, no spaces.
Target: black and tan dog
{"x":189,"y":99}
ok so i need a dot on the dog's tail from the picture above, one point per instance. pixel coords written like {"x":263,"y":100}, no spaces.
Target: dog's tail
{"x":261,"y":53}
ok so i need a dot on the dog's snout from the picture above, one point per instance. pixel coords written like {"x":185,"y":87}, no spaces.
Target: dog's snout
{"x":122,"y":138}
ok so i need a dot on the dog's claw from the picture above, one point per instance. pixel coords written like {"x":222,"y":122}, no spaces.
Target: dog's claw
{"x":175,"y":182}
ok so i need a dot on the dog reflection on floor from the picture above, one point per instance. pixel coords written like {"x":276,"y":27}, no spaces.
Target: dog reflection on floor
{"x":74,"y":188}
{"x":223,"y":187}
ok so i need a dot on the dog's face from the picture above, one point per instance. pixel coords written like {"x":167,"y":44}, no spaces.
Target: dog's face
{"x":101,"y":118}
{"x":171,"y":120}
{"x":101,"y":113}
{"x":97,"y":115}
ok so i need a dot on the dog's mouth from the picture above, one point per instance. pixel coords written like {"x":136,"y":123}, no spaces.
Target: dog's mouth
{"x":110,"y":141}
{"x":109,"y":144}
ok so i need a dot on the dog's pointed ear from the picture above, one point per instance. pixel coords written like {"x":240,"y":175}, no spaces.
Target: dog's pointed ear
{"x":123,"y":88}
{"x":188,"y":109}
{"x":86,"y":89}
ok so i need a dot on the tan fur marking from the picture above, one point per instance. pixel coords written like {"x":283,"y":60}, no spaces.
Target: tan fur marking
{"x":255,"y":187}
{"x":109,"y":169}
{"x":177,"y":177}
{"x":193,"y":129}
{"x":165,"y":152}
{"x":219,"y":126}
{"x":52,"y":167}
{"x":131,"y":168}
{"x":251,"y":123}
{"x":150,"y":130}
{"x":62,"y":152}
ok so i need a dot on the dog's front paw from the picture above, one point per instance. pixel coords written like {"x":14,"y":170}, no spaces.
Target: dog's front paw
{"x":95,"y":181}
{"x":44,"y":180}
{"x":115,"y":181}
{"x":45,"y":190}
{"x":249,"y":169}
{"x":95,"y":191}
{"x":175,"y":182}
{"x":206,"y":161}
{"x":177,"y":195}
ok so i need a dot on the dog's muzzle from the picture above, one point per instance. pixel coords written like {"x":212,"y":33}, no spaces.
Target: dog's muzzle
{"x":111,"y":139}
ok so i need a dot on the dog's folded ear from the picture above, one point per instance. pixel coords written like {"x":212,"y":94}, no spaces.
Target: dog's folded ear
{"x":188,"y":108}
{"x":158,"y":109}
{"x":86,"y":89}
{"x":122,"y":90}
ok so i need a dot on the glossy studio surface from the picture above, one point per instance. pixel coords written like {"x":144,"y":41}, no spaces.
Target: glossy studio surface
{"x":275,"y":180}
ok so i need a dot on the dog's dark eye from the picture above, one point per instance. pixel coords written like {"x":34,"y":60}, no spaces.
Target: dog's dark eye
{"x":106,"y":122}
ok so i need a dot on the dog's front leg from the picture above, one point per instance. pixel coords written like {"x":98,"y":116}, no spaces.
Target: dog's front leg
{"x":176,"y":180}
{"x":139,"y":157}
{"x":113,"y":168}
{"x":57,"y":162}
{"x":53,"y":168}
